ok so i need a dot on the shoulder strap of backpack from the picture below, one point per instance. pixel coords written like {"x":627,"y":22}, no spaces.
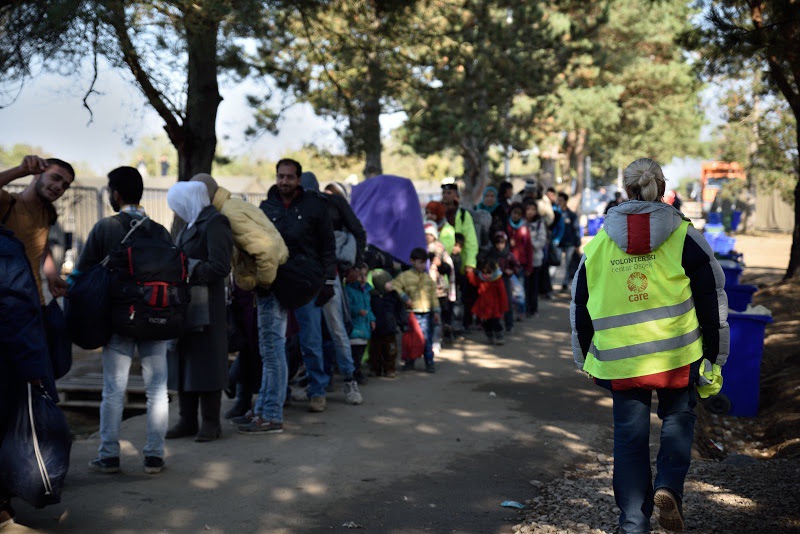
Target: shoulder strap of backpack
{"x":134,"y":225}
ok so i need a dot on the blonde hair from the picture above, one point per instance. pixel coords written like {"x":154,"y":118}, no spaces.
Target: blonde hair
{"x":644,"y":180}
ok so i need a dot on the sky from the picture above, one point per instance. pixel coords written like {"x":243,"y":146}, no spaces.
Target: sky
{"x":49,"y":113}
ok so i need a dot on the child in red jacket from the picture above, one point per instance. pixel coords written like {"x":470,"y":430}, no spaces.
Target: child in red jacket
{"x":492,"y":302}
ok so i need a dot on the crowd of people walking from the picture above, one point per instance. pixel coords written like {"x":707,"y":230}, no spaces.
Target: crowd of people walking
{"x":294,"y":290}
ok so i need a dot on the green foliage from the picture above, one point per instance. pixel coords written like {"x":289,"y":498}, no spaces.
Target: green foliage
{"x":13,"y":156}
{"x":626,"y":82}
{"x":487,"y":54}
{"x":349,"y":60}
{"x":760,"y":132}
{"x":32,"y":31}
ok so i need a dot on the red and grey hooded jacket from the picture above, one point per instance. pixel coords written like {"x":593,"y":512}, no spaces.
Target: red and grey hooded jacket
{"x":638,"y":229}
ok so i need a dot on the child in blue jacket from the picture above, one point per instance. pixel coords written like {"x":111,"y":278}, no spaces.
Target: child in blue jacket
{"x":358,"y":297}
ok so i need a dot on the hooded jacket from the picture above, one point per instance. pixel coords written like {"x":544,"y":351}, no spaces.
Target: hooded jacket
{"x":305,"y":227}
{"x":639,"y":230}
{"x":259,"y":247}
{"x":343,"y":218}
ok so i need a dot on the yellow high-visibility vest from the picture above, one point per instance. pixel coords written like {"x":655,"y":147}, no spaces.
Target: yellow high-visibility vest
{"x":642,"y":309}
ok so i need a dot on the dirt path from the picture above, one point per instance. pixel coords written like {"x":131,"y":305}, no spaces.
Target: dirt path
{"x":424,"y":453}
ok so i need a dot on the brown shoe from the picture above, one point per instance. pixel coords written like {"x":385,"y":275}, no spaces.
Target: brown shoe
{"x":316,"y":404}
{"x":670,"y":516}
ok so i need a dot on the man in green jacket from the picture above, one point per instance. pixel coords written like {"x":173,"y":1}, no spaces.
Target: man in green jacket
{"x":461,"y":219}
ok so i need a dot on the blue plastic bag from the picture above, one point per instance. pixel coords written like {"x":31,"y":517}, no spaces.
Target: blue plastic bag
{"x":34,"y":456}
{"x":88,"y":308}
{"x":58,"y":341}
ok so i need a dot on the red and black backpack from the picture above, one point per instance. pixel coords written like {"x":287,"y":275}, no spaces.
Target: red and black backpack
{"x":150,"y":287}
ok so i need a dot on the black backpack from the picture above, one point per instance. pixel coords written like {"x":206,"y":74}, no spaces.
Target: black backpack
{"x":150,"y":289}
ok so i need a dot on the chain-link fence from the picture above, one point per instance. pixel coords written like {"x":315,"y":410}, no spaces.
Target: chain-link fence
{"x":81,"y":207}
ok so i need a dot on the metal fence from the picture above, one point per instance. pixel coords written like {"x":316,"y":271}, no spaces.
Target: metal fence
{"x":81,"y":207}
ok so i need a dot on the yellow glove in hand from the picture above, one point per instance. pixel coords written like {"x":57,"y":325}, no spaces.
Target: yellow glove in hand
{"x":710,"y":381}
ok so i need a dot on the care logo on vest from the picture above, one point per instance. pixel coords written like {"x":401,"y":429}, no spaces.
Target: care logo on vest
{"x":637,"y":283}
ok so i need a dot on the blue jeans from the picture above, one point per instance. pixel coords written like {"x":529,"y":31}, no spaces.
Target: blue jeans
{"x":633,"y":484}
{"x":425,"y":321}
{"x":272,"y":319}
{"x":117,"y":357}
{"x":334,"y":319}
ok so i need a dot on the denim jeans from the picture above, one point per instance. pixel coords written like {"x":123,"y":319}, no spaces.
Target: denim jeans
{"x":309,"y":319}
{"x":117,"y":357}
{"x":334,"y":319}
{"x":633,"y":485}
{"x":425,"y":321}
{"x":569,"y":250}
{"x":272,"y":319}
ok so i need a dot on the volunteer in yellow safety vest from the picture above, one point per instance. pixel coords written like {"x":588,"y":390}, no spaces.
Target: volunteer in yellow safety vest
{"x":648,"y":305}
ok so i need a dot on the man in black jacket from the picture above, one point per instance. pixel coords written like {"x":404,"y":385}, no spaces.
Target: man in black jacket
{"x":303,"y":221}
{"x":346,"y":227}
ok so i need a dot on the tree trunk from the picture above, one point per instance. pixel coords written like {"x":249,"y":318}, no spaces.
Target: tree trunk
{"x":794,"y":252}
{"x":202,"y":97}
{"x":476,"y":171}
{"x":372,"y":124}
{"x":547,"y":171}
{"x":579,"y":156}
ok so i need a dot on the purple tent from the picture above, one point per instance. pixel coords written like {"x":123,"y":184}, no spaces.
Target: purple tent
{"x":388,"y":207}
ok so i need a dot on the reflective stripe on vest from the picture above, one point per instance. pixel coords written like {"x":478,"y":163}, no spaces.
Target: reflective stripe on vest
{"x":642,"y":309}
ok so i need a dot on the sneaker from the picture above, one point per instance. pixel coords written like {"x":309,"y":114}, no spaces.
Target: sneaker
{"x":7,"y":514}
{"x":243,"y":419}
{"x":153,"y":465}
{"x":316,"y":404}
{"x":261,"y":426}
{"x":299,"y":396}
{"x":351,"y":393}
{"x":408,"y":365}
{"x":670,"y":516}
{"x":430,"y":367}
{"x":105,"y":465}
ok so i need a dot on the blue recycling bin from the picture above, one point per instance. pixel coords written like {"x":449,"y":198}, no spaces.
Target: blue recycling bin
{"x":714,"y":218}
{"x":593,"y":225}
{"x":736,"y":219}
{"x":732,"y":274}
{"x":741,"y":373}
{"x":739,"y":296}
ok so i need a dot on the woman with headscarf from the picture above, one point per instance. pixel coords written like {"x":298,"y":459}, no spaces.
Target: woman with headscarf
{"x":489,"y":203}
{"x":198,"y":368}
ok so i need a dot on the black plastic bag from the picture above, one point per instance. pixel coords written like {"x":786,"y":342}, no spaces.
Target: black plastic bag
{"x":58,"y":342}
{"x":298,"y":281}
{"x":34,"y":456}
{"x":88,"y":308}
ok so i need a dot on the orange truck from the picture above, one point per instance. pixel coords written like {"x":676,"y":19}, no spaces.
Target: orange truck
{"x":715,"y":174}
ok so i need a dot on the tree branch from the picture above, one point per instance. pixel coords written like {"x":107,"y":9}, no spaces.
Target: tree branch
{"x":116,"y":19}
